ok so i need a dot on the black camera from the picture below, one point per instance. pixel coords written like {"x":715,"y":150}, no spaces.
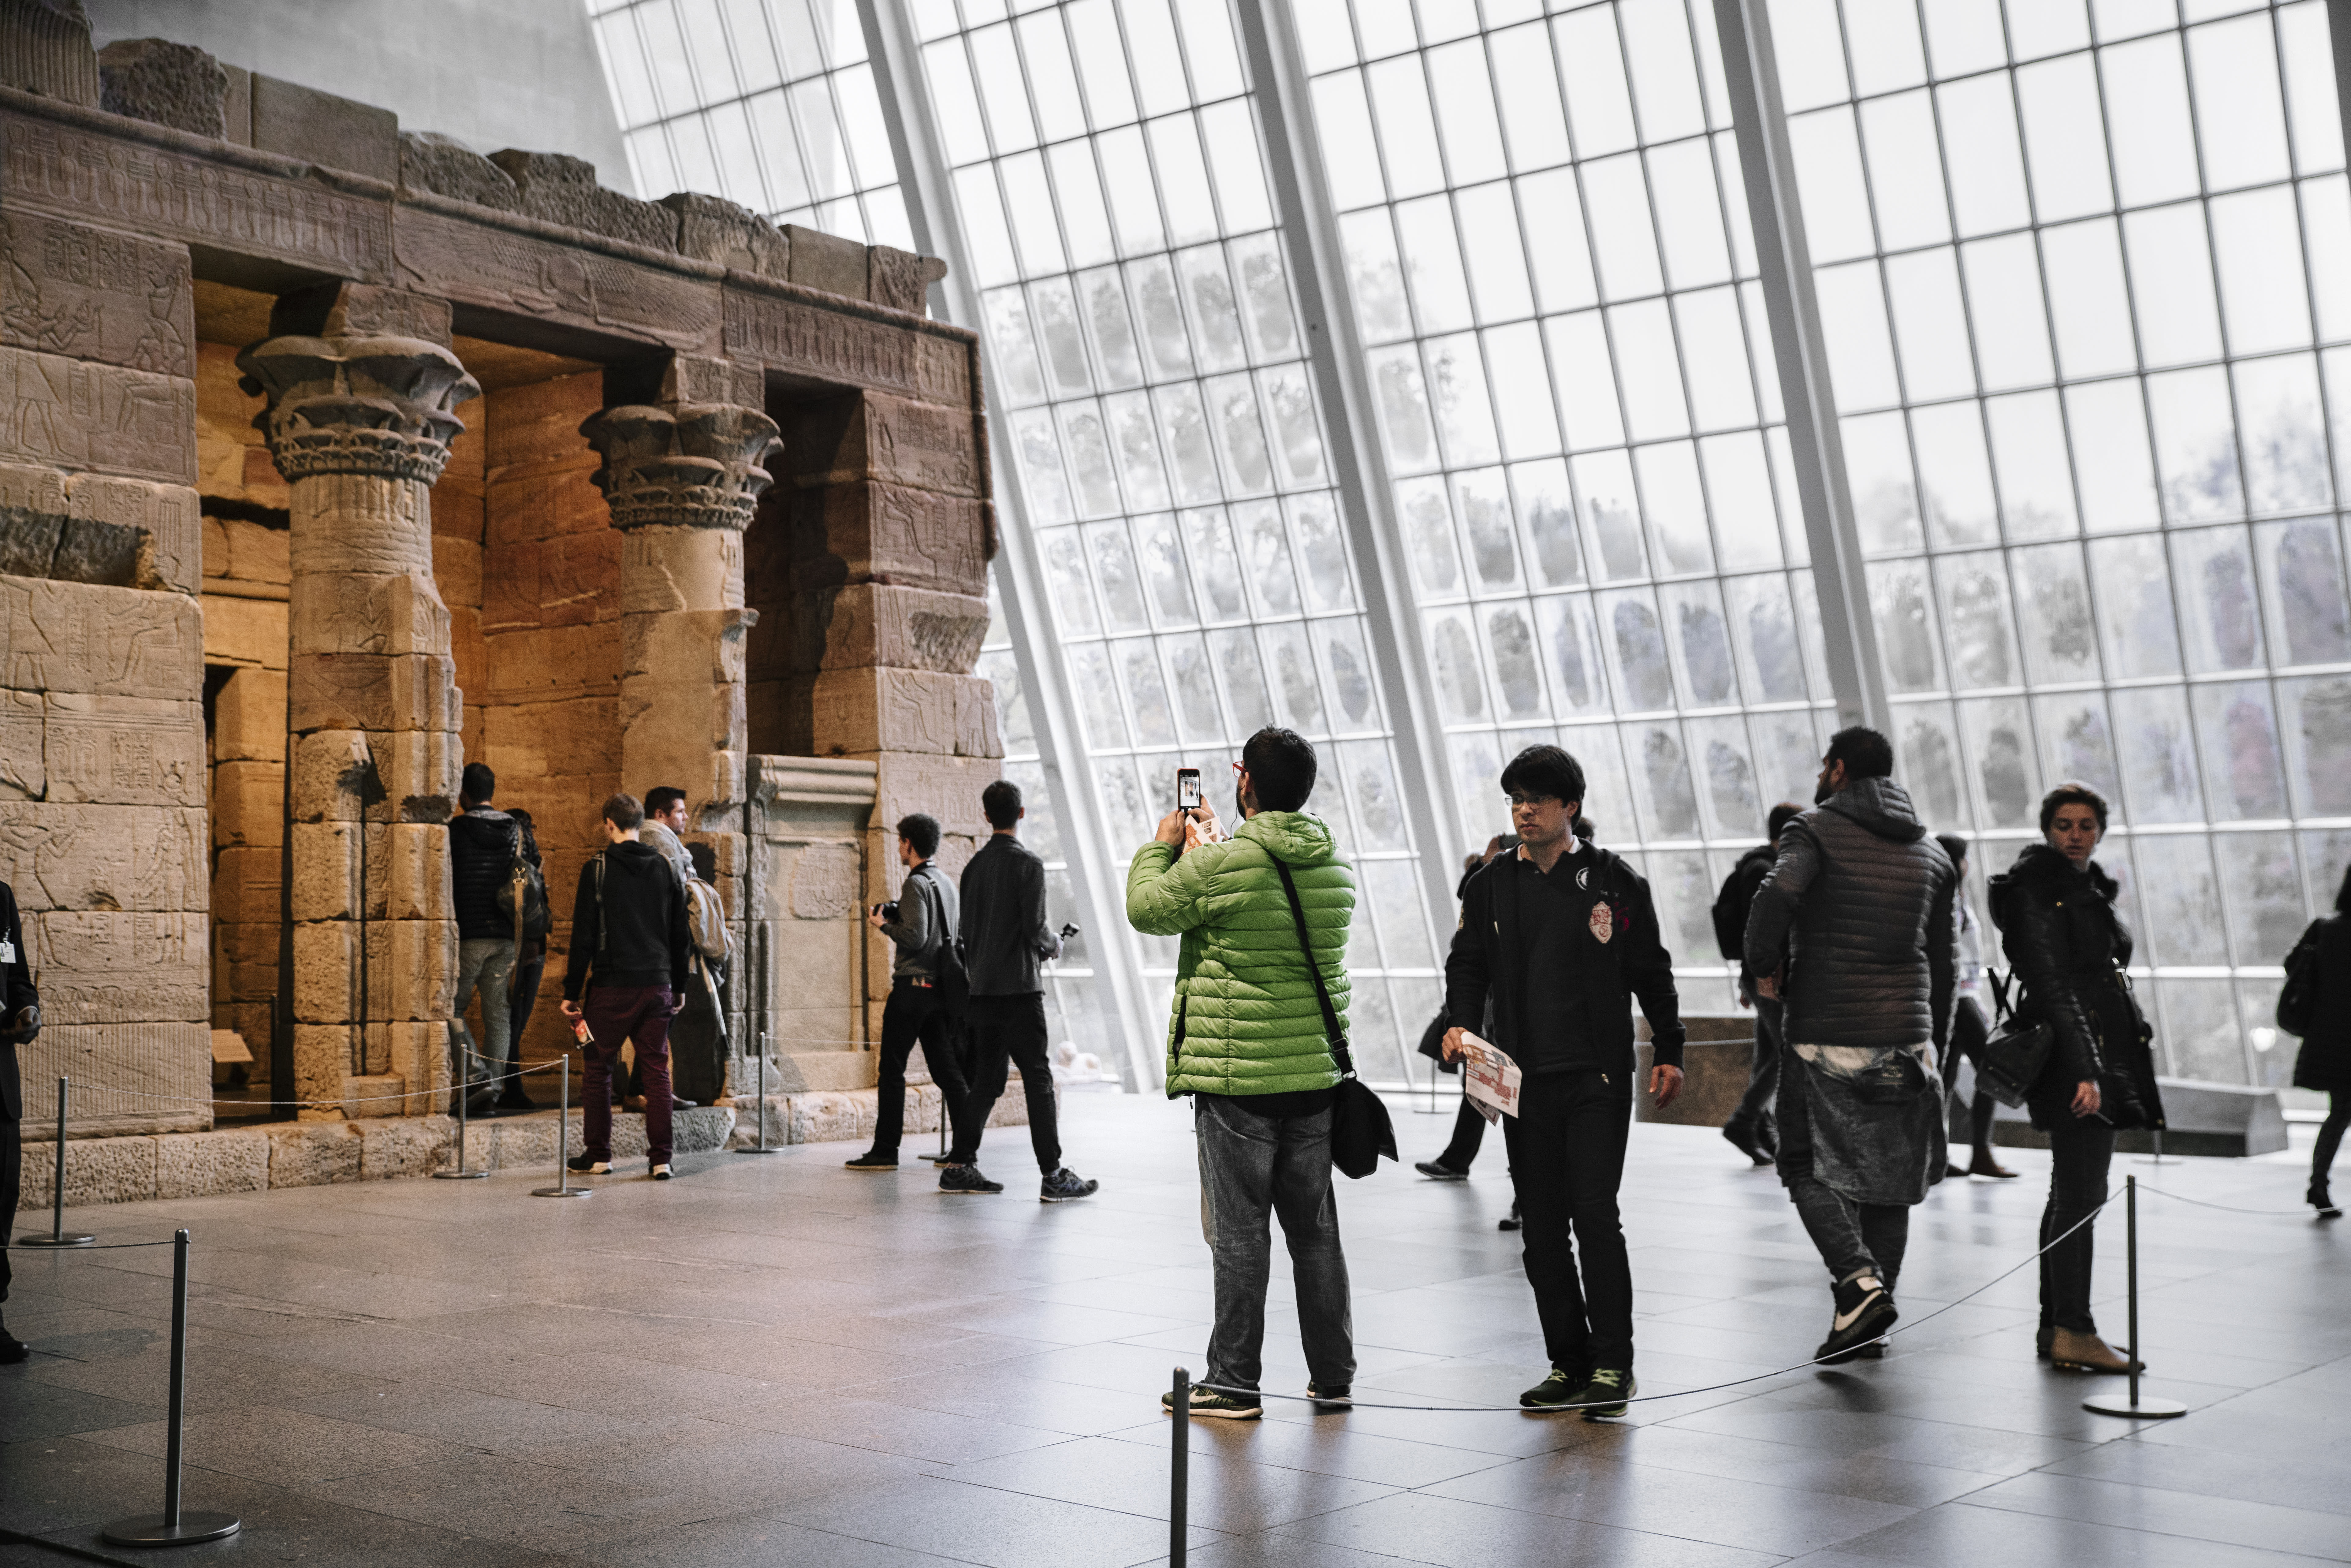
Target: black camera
{"x":1068,"y":929}
{"x":889,"y":910}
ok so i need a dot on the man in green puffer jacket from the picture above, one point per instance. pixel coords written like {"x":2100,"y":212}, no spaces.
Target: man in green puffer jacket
{"x":1248,"y":1043}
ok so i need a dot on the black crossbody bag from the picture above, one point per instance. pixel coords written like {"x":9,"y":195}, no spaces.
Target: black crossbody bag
{"x":2013,"y":1060}
{"x":1360,"y":1130}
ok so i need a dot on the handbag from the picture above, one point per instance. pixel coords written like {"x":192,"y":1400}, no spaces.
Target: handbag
{"x":2013,"y":1060}
{"x":2298,"y":998}
{"x":1359,"y":1129}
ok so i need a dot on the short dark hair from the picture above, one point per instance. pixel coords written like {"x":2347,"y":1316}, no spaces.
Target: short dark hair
{"x":662,"y":799}
{"x":476,"y":784}
{"x":1280,"y":765}
{"x":623,"y":810}
{"x":1954,"y":846}
{"x":922,"y":831}
{"x":1544,"y":771}
{"x":1000,"y":803}
{"x":2073,"y":794}
{"x":1785,"y":813}
{"x":1864,"y":753}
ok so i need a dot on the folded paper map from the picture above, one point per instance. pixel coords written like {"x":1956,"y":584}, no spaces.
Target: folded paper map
{"x":1493,"y":1077}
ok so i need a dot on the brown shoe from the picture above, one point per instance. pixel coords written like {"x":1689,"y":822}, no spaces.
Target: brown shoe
{"x":1983,"y":1165}
{"x":2077,"y":1352}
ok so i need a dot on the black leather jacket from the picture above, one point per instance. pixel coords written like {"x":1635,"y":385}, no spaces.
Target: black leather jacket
{"x":2068,"y":948}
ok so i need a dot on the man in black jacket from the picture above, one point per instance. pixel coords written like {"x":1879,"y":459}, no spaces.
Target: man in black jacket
{"x":1561,"y":935}
{"x":1751,"y":1129}
{"x":483,"y":842}
{"x":1853,"y":933}
{"x":922,"y":926}
{"x":1005,"y":938}
{"x":20,"y":1021}
{"x":629,"y":947}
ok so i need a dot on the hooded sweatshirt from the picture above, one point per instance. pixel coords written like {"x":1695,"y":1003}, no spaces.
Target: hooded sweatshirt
{"x":1245,"y":1020}
{"x":1859,"y":906}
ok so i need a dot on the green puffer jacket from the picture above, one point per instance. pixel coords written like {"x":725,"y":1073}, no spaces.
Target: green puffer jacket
{"x":1246,"y":1018}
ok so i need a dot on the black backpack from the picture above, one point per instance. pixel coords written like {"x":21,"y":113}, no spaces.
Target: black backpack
{"x":2298,"y":998}
{"x":522,"y":896}
{"x":1730,"y":909}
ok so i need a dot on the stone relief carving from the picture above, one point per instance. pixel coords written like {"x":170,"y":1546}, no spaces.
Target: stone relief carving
{"x":699,"y":466}
{"x":358,"y":405}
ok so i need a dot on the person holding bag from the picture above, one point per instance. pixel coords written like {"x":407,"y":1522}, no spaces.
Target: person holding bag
{"x":1258,"y":1040}
{"x":2315,"y":1004}
{"x":2069,"y":950}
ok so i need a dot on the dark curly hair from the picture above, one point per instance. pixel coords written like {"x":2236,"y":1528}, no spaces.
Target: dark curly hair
{"x":2071,"y":794}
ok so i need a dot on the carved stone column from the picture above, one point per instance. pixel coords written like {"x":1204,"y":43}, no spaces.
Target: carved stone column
{"x":361,"y":383}
{"x":682,"y":473}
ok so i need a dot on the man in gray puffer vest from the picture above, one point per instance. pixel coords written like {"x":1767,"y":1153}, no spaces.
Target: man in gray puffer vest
{"x":1853,"y":932}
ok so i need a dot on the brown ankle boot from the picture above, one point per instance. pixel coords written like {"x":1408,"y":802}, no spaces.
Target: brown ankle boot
{"x":2077,"y":1352}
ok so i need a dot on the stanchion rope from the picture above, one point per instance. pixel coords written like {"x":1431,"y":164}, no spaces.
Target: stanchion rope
{"x":2226,"y":1207}
{"x":1679,"y":1393}
{"x":85,"y":1247}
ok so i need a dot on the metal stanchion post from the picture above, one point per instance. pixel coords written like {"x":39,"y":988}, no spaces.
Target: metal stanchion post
{"x":563,"y":1187}
{"x":761,"y":1146}
{"x":2106,"y":1403}
{"x":57,"y":1235}
{"x":173,"y":1527}
{"x":461,"y":1173}
{"x":1179,"y":1465}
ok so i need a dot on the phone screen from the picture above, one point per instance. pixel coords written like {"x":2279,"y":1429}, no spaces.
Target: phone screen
{"x":1187,"y":788}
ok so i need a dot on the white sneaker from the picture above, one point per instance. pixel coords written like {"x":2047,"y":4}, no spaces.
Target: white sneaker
{"x":661,"y":1173}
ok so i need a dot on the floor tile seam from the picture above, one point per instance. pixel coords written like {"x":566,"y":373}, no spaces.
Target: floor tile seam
{"x":1386,"y":1490}
{"x":2283,"y":1557}
{"x":1219,"y":1535}
{"x":1496,"y":1460}
{"x":1620,"y":1530}
{"x":2124,"y":1486}
{"x":1985,"y":1477}
{"x":1908,"y":1512}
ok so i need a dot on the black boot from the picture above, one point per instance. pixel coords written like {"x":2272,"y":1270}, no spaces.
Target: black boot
{"x":12,"y":1349}
{"x":2319,"y":1199}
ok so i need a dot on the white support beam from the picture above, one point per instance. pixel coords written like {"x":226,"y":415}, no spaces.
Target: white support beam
{"x":1099,"y":885}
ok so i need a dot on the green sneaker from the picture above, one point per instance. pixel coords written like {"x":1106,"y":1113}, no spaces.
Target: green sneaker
{"x":1206,"y":1401}
{"x":1555,"y":1390}
{"x":1603,"y":1398}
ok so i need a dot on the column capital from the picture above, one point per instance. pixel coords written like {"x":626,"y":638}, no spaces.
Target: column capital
{"x":373,"y":405}
{"x":681,"y":464}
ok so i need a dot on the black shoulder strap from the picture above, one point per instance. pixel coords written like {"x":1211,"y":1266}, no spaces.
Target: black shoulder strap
{"x":1337,"y":1036}
{"x":604,"y":928}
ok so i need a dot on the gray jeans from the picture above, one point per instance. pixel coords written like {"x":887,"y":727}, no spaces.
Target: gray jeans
{"x":1251,"y":1165}
{"x":486,"y":962}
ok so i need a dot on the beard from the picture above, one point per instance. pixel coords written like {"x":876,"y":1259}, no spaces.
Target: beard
{"x":1822,"y":791}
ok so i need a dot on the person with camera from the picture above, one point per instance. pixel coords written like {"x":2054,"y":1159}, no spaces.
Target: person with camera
{"x":1557,"y":941}
{"x":920,"y":925}
{"x":1004,"y":937}
{"x":627,"y":970}
{"x":1970,"y":1030}
{"x":1852,"y":932}
{"x":1249,"y":1042}
{"x":20,"y":1024}
{"x":1750,"y":1128}
{"x":484,"y":843}
{"x":2068,"y":947}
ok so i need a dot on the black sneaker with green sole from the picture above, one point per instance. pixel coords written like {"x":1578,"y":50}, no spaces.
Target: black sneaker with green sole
{"x":1557,"y":1389}
{"x":1603,"y":1398}
{"x":1210,"y":1402}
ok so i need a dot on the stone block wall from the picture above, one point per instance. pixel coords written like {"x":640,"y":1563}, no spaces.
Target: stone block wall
{"x":102,"y":751}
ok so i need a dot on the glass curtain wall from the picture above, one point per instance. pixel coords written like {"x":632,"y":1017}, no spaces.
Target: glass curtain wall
{"x":1145,"y":358}
{"x":2082,"y":273}
{"x":1548,"y":254}
{"x":769,"y":103}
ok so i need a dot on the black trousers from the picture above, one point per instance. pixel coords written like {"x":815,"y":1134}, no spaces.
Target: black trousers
{"x":1971,"y":1032}
{"x":12,"y":1189}
{"x":1007,"y":1032}
{"x":2080,"y":1150}
{"x":916,"y":1012}
{"x":1468,"y":1134}
{"x":1567,"y":1160}
{"x":1755,"y":1109}
{"x":526,"y":997}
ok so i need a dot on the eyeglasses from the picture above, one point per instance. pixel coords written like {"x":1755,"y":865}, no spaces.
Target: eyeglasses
{"x":1516,"y":799}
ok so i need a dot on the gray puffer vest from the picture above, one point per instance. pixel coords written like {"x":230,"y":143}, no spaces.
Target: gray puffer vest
{"x":1858,"y":908}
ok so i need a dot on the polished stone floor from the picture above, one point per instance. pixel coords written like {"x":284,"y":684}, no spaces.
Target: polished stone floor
{"x":774,"y":1360}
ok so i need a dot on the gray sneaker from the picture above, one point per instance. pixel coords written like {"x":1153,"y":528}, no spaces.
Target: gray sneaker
{"x":1206,"y":1401}
{"x":966,"y":1179}
{"x":1064,"y":1184}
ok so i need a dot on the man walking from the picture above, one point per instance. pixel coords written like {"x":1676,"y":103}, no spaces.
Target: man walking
{"x":20,"y":1023}
{"x":1852,"y":931}
{"x":1249,"y":1043}
{"x":922,"y":926}
{"x":628,"y":945}
{"x":1750,"y":1128}
{"x":482,"y":843}
{"x":1561,"y":936}
{"x":1005,"y":938}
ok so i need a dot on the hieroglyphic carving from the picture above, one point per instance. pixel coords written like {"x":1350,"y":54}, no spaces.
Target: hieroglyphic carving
{"x":90,"y":294}
{"x":481,"y":263}
{"x":841,"y":441}
{"x":921,"y":539}
{"x":118,"y":642}
{"x":133,"y":751}
{"x":108,"y":967}
{"x":75,"y":415}
{"x":840,"y":346}
{"x":104,"y":857}
{"x":166,"y":193}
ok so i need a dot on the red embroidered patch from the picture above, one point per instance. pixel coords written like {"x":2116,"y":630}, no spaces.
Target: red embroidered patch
{"x":1603,"y":921}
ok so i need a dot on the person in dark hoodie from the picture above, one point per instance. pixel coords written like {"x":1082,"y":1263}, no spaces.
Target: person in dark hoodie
{"x":1751,"y":1129}
{"x":1852,"y":932}
{"x":482,"y":843}
{"x":1561,"y":935}
{"x":2068,"y":948}
{"x":628,"y":967}
{"x":2325,"y":1060}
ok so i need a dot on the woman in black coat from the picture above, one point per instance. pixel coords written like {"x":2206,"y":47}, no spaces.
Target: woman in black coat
{"x":2055,"y":910}
{"x":2324,"y":1062}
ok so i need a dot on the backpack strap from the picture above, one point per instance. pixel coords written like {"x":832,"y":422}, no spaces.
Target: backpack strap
{"x":603,"y":926}
{"x":1331,"y":1028}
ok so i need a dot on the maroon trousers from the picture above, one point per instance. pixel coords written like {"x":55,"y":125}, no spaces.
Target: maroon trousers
{"x":639,"y":1014}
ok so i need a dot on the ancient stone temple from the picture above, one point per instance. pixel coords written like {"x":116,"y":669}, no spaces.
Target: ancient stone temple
{"x":335,"y":456}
